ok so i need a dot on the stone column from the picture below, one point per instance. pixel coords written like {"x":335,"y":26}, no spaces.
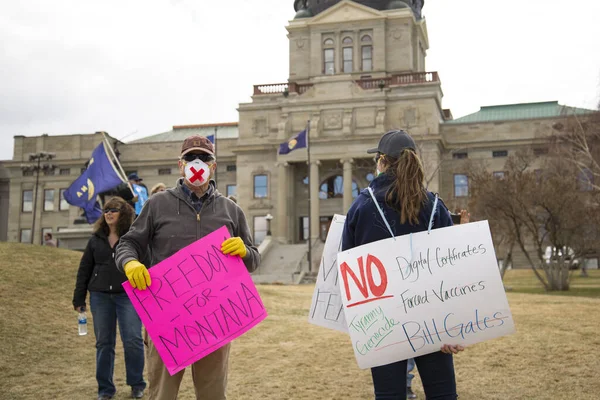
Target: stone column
{"x":314,"y":199}
{"x":282,"y":203}
{"x":347,"y":184}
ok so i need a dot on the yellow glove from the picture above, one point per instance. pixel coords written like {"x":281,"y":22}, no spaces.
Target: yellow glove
{"x":234,"y":246}
{"x":137,"y":274}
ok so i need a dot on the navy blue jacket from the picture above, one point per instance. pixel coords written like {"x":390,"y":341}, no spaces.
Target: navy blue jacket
{"x":365,"y":225}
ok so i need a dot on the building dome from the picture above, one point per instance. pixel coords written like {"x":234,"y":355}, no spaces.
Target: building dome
{"x":310,"y":8}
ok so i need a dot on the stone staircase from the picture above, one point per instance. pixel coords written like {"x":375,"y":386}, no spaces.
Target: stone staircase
{"x":280,"y":263}
{"x":287,"y":263}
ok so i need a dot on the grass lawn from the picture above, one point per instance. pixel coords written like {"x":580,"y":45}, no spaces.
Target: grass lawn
{"x":525,"y":281}
{"x":555,"y":353}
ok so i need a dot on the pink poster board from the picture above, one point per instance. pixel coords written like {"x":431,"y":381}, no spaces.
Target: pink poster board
{"x":199,"y":300}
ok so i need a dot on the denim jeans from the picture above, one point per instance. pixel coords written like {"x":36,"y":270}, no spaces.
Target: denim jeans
{"x":107,"y":310}
{"x":436,"y":371}
{"x":410,"y":365}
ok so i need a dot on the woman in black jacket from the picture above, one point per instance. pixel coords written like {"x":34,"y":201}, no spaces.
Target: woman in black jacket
{"x":109,"y":302}
{"x":397,"y":203}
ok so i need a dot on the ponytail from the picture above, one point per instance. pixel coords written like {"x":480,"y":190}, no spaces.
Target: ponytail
{"x":407,"y":193}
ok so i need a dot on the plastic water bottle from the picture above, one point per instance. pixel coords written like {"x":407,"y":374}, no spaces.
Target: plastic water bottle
{"x":82,"y":323}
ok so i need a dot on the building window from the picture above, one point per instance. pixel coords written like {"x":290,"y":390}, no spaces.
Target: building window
{"x":260,"y":186}
{"x":370,"y":176}
{"x":25,"y":236}
{"x":260,"y":229}
{"x":63,"y":205}
{"x":44,"y":231}
{"x":500,"y":153}
{"x":231,"y":168}
{"x":333,"y":188}
{"x":27,"y":205}
{"x":347,"y":55}
{"x":329,"y":61}
{"x":65,"y":171}
{"x":585,"y":180}
{"x":460,"y":156}
{"x":461,"y":185}
{"x":164,"y":171}
{"x":366,"y":53}
{"x":49,"y":172}
{"x":231,"y":190}
{"x":27,"y":172}
{"x":499,"y":174}
{"x":49,"y":200}
{"x":305,"y":180}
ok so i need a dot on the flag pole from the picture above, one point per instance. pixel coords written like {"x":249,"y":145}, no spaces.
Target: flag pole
{"x":111,"y":151}
{"x":309,"y":199}
{"x":215,"y":144}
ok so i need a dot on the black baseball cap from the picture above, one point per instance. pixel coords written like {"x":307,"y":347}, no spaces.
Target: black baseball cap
{"x":393,"y":144}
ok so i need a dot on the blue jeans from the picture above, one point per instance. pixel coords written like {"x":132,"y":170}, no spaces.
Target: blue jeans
{"x":107,"y":310}
{"x":410,"y":365}
{"x":436,"y":371}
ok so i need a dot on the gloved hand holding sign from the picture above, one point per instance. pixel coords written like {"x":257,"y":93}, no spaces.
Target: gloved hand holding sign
{"x":234,"y":246}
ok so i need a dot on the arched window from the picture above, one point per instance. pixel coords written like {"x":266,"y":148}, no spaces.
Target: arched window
{"x":328,"y":57}
{"x":347,"y":55}
{"x":366,"y":50}
{"x":333,"y":188}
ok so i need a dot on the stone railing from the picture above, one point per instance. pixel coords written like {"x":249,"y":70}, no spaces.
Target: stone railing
{"x":399,"y":80}
{"x":281,"y":88}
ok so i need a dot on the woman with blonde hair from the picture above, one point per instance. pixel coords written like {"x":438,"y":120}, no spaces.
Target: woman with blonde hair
{"x":159,"y":187}
{"x":406,"y":207}
{"x":110,"y":305}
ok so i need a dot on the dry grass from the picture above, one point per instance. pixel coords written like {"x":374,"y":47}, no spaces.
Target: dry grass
{"x":554,"y":354}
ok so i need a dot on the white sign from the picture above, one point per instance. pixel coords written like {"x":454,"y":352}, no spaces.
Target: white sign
{"x":407,"y":296}
{"x":327,"y":309}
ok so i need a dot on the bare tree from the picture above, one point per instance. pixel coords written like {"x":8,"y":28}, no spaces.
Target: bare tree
{"x":536,"y":210}
{"x":579,"y":136}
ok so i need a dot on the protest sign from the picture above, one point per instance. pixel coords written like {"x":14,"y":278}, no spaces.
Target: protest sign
{"x":199,"y":300}
{"x":407,"y":296}
{"x":326,"y":309}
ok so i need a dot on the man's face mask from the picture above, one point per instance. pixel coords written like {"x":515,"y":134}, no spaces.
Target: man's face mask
{"x":197,"y":172}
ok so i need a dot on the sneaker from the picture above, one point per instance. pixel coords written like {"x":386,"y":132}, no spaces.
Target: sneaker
{"x":104,"y":397}
{"x":410,"y":394}
{"x":137,"y":393}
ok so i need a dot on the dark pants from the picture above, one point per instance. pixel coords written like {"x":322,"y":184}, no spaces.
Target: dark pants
{"x":436,"y":371}
{"x":107,"y":310}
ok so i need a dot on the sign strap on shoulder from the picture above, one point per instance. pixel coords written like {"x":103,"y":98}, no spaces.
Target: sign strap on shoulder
{"x":381,"y":212}
{"x":435,"y":202}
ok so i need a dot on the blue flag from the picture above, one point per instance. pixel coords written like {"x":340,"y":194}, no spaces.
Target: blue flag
{"x":93,"y":214}
{"x":99,"y":176}
{"x":211,"y":138}
{"x":296,"y":142}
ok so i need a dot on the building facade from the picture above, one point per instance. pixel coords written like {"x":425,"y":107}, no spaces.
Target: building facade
{"x":357,"y":69}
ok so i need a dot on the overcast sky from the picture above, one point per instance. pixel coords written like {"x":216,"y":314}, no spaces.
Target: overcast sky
{"x":136,"y":67}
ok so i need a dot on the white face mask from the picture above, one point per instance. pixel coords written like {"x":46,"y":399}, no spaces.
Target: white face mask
{"x":197,"y":172}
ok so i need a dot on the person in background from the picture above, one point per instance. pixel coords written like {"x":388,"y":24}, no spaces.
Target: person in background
{"x":48,"y":241}
{"x":110,"y":305}
{"x":232,"y":198}
{"x":407,"y":206}
{"x":170,"y":221}
{"x":140,"y":190}
{"x":159,"y":187}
